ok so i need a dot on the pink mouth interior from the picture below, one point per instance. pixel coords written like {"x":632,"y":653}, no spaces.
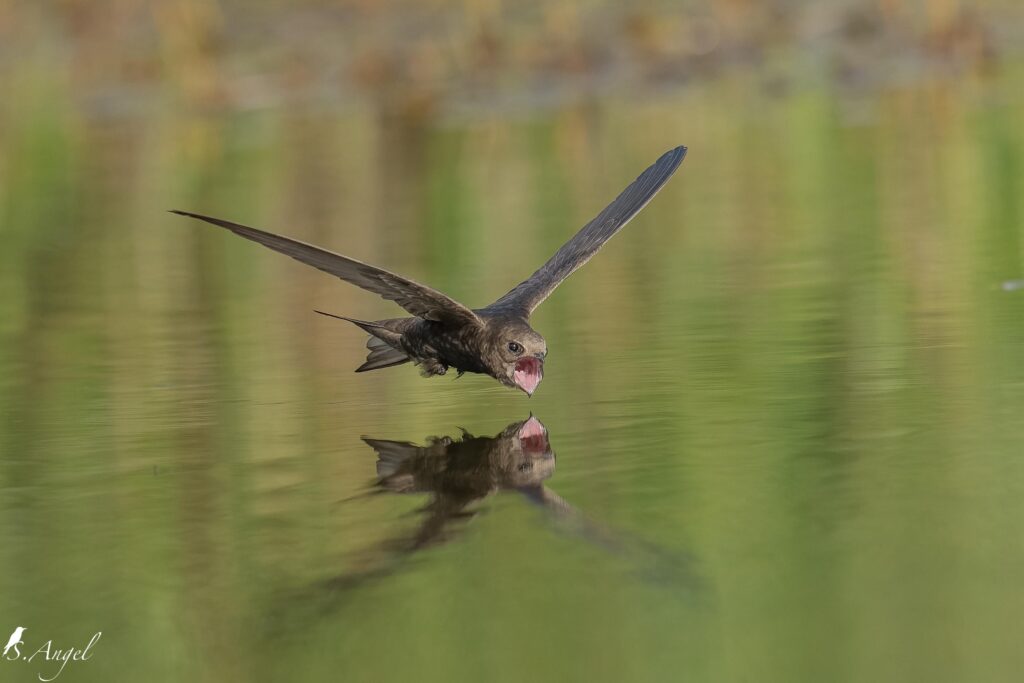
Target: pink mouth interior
{"x":528,"y":374}
{"x":533,"y":436}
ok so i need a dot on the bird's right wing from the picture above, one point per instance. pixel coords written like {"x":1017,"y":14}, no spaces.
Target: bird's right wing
{"x":417,"y":299}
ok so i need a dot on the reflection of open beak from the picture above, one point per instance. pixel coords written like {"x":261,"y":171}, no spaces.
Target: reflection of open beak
{"x":534,"y":437}
{"x":528,"y":373}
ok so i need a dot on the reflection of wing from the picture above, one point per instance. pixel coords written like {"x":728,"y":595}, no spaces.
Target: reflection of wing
{"x":655,"y":562}
{"x":418,"y":299}
{"x":529,"y":294}
{"x":544,"y":496}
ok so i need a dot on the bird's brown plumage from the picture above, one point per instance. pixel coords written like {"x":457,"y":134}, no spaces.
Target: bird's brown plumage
{"x":495,"y":340}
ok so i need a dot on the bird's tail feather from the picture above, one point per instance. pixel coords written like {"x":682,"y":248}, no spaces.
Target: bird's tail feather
{"x":382,"y":356}
{"x":384,"y":344}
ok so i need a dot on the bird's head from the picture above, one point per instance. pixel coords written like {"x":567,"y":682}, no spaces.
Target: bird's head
{"x":516,"y":354}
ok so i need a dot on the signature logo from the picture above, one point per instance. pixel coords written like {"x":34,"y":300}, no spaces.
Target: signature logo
{"x":47,"y":652}
{"x":14,"y":641}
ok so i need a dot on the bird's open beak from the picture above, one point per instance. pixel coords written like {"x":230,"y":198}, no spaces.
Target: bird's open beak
{"x":528,"y":373}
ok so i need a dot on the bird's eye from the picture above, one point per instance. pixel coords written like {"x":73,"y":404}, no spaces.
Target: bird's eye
{"x":515,"y":347}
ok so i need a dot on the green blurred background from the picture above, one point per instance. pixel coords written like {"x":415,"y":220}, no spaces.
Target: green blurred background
{"x":792,"y":389}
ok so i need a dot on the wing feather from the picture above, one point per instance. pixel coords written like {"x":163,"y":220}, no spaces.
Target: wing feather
{"x":417,"y":299}
{"x":527,"y":295}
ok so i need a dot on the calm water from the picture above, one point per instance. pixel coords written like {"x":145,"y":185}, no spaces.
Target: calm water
{"x":783,"y":407}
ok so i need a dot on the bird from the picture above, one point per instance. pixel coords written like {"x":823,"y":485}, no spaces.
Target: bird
{"x":14,"y":641}
{"x":442,"y":333}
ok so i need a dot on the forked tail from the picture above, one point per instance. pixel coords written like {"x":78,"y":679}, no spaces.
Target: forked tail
{"x":384,"y":343}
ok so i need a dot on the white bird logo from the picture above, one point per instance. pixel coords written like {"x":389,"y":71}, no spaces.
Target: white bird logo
{"x":14,"y":640}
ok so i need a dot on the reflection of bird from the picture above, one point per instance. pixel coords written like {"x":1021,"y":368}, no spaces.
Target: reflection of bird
{"x":458,"y":472}
{"x":15,"y":639}
{"x":496,"y":340}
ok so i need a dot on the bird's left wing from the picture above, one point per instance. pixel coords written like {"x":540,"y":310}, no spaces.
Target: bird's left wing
{"x":528,"y":294}
{"x":417,"y":299}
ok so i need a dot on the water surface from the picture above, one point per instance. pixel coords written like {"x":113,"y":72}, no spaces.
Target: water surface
{"x":783,"y":407}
